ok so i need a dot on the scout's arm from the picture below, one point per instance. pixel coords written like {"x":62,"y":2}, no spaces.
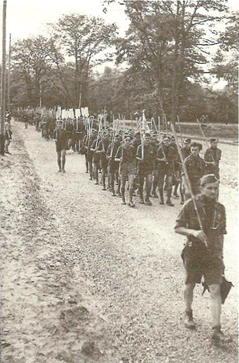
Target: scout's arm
{"x":108,"y":152}
{"x":55,"y":133}
{"x":208,"y":158}
{"x":93,"y":146}
{"x":139,"y":153}
{"x":188,"y":232}
{"x":118,"y":154}
{"x":161,"y":154}
{"x":182,"y":226}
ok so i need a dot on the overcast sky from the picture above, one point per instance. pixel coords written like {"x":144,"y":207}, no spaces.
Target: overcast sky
{"x":27,"y":18}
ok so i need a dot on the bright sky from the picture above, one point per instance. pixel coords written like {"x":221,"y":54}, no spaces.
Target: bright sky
{"x":27,"y":18}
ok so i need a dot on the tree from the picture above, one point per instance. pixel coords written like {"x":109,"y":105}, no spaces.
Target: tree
{"x":170,"y":41}
{"x":83,"y":39}
{"x":225,"y":67}
{"x":226,"y":59}
{"x":30,"y":60}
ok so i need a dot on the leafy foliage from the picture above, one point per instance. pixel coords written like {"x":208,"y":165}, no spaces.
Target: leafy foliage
{"x":166,"y":54}
{"x":83,"y":38}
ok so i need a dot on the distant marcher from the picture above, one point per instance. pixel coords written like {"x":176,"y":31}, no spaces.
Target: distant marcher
{"x":8,"y":136}
{"x":185,"y":152}
{"x":203,"y":253}
{"x":165,"y":162}
{"x":26,"y":120}
{"x":102,"y":148}
{"x":96,"y":159}
{"x":212,"y":158}
{"x":114,"y":165}
{"x":176,"y":175}
{"x":126,"y":156}
{"x":89,"y":153}
{"x":155,"y":142}
{"x":146,"y":154}
{"x":195,"y":167}
{"x":136,"y":140}
{"x":60,"y":138}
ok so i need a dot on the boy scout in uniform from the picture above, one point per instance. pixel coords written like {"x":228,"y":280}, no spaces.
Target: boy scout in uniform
{"x":155,"y":142}
{"x":203,"y":221}
{"x":165,"y":158}
{"x":185,"y":152}
{"x":95,"y":159}
{"x":113,"y":165}
{"x":102,"y":149}
{"x":195,"y":166}
{"x":126,"y":156}
{"x":212,"y":157}
{"x":7,"y":136}
{"x":146,"y":158}
{"x":60,"y":137}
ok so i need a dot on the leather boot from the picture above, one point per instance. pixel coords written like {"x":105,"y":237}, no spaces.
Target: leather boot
{"x":219,"y":337}
{"x":161,"y":197}
{"x":188,"y":321}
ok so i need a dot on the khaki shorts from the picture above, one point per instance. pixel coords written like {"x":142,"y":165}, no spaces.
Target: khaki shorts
{"x":211,"y":267}
{"x":127,"y":169}
{"x":61,"y":146}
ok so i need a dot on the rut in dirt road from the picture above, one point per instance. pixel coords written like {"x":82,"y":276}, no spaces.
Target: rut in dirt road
{"x":37,"y":297}
{"x":88,"y":280}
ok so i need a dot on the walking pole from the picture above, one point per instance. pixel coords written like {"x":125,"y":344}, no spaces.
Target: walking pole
{"x":143,"y":132}
{"x":187,"y":180}
{"x":123,"y":136}
{"x":3,"y":99}
{"x":203,"y":134}
{"x":159,"y":127}
{"x":205,"y":139}
{"x":156,"y":129}
{"x":89,"y":126}
{"x":99,"y":133}
{"x":142,"y":142}
{"x":113,"y":141}
{"x":180,"y":131}
{"x":117,"y":125}
{"x":152,"y":124}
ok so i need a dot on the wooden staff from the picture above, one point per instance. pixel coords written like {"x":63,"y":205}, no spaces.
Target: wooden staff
{"x":99,"y":132}
{"x":89,"y":127}
{"x":187,"y":180}
{"x":123,"y":137}
{"x":203,"y":134}
{"x":143,"y":133}
{"x":154,"y":124}
{"x":113,"y":140}
{"x":159,"y":127}
{"x":180,"y":131}
{"x":166,"y":124}
{"x":205,"y":140}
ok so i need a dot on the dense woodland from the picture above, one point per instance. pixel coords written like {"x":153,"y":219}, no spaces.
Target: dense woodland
{"x":165,"y":63}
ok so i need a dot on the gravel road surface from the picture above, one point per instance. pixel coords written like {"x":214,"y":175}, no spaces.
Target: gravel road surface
{"x":87,"y":279}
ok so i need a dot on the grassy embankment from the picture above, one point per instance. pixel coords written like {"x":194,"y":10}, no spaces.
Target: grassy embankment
{"x":221,"y":131}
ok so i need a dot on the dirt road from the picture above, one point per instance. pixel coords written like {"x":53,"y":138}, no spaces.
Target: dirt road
{"x":86,"y":279}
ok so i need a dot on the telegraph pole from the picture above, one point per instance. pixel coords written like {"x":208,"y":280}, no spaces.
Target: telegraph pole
{"x":9,"y":76}
{"x":2,"y":139}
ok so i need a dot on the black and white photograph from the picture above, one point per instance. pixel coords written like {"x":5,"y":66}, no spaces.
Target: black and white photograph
{"x":119,"y":181}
